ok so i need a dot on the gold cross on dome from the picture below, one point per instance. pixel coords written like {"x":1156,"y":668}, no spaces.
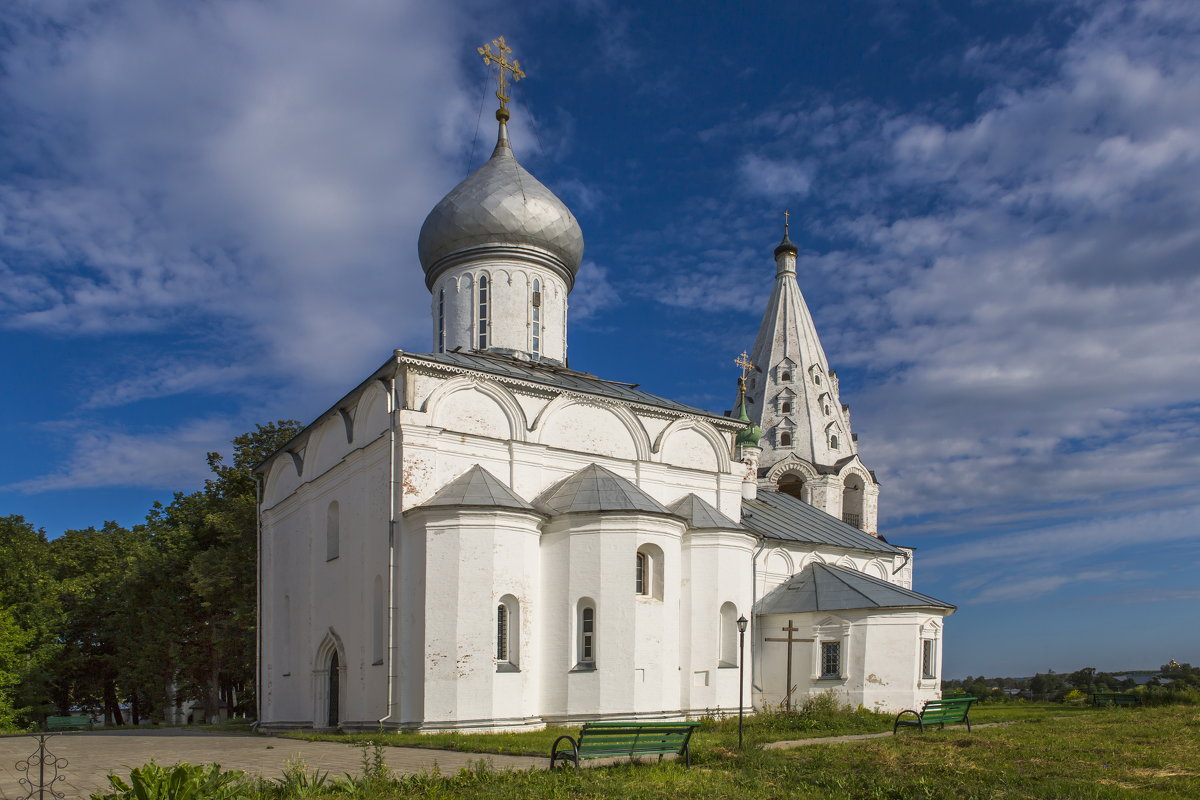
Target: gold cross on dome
{"x":743,"y":361}
{"x":786,"y":215}
{"x":498,"y":58}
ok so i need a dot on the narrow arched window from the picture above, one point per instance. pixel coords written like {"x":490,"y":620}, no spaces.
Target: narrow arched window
{"x":441,"y":321}
{"x":785,"y":376}
{"x":648,"y":568}
{"x":332,"y":532}
{"x":785,"y":439}
{"x":501,"y":632}
{"x":587,"y":634}
{"x":484,"y":294}
{"x":817,"y":378}
{"x":852,"y":501}
{"x":729,"y":635}
{"x":535,"y":315}
{"x":786,"y":407}
{"x":833,"y":442}
{"x":508,"y":634}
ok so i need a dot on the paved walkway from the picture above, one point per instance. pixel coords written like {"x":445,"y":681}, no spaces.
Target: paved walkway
{"x":92,"y":755}
{"x":859,"y":737}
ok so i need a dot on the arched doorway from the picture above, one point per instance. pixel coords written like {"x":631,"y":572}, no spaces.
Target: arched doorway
{"x":334,"y":693}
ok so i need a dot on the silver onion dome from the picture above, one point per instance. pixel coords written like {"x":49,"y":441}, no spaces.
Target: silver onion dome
{"x":500,"y":205}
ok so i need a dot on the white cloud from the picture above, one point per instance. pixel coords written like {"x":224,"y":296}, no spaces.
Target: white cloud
{"x":1065,"y":545}
{"x":1018,"y":285}
{"x":177,"y":377}
{"x":592,"y":293}
{"x":776,"y":177}
{"x":163,"y":459}
{"x":264,"y":166}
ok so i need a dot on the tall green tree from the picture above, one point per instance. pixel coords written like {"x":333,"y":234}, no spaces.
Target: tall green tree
{"x":210,"y":539}
{"x":29,"y":617}
{"x":94,"y":568}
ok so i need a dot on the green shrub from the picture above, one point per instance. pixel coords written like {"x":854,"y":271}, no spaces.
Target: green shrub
{"x":183,"y":781}
{"x":297,"y":781}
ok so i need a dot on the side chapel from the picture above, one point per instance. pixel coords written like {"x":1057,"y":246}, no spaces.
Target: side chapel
{"x":481,"y":537}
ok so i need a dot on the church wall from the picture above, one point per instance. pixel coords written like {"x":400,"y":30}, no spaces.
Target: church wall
{"x":303,"y":599}
{"x":473,"y":558}
{"x":881,"y":654}
{"x":591,"y":558}
{"x":717,"y":570}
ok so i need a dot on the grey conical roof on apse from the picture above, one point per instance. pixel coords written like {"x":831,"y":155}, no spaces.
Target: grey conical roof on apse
{"x":595,"y":488}
{"x":476,"y":487}
{"x":825,"y":587}
{"x":702,"y":516}
{"x":500,"y":203}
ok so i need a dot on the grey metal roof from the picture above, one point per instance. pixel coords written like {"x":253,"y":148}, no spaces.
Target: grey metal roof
{"x":560,"y":378}
{"x":824,"y":587}
{"x":500,"y":203}
{"x":595,"y":488}
{"x":702,"y":516}
{"x":476,"y":487}
{"x":780,"y":516}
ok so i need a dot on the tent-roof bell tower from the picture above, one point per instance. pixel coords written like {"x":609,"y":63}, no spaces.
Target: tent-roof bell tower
{"x":808,"y":448}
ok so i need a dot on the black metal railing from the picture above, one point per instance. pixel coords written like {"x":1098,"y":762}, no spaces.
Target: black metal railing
{"x":41,"y":771}
{"x":852,"y":519}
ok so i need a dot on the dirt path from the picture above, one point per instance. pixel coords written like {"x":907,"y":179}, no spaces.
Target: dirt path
{"x":92,"y":755}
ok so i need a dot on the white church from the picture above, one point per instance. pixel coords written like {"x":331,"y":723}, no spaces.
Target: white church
{"x":482,"y":538}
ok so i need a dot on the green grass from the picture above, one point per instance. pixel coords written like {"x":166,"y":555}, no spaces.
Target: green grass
{"x":1022,"y":710}
{"x":820,"y":716}
{"x":1142,"y":753}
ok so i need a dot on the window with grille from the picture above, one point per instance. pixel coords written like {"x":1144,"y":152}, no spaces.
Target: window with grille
{"x":536,"y":317}
{"x":441,"y":317}
{"x":928,"y":662}
{"x":831,"y":659}
{"x":587,"y":635}
{"x":641,"y":576}
{"x":501,"y":633}
{"x":484,"y":304}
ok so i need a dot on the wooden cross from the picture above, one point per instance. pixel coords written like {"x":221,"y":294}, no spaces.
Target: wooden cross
{"x":790,"y":629}
{"x":743,"y":361}
{"x":498,"y":58}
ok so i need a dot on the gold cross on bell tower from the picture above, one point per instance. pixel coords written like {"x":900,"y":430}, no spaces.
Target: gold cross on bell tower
{"x":498,"y":58}
{"x":743,"y":361}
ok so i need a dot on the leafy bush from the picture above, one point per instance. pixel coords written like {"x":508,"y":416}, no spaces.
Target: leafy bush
{"x":183,"y":781}
{"x":1152,"y":695}
{"x":297,"y":781}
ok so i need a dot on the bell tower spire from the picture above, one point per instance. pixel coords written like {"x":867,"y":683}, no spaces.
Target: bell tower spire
{"x":807,"y":446}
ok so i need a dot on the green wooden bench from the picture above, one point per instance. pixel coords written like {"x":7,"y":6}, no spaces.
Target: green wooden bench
{"x":937,"y":712}
{"x":1115,"y":699}
{"x":68,"y":722}
{"x":615,"y":739}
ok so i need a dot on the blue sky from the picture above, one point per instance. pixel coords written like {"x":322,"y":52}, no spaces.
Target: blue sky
{"x":209,"y":213}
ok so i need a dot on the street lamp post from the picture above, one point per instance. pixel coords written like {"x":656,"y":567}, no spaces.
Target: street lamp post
{"x":741,"y":623}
